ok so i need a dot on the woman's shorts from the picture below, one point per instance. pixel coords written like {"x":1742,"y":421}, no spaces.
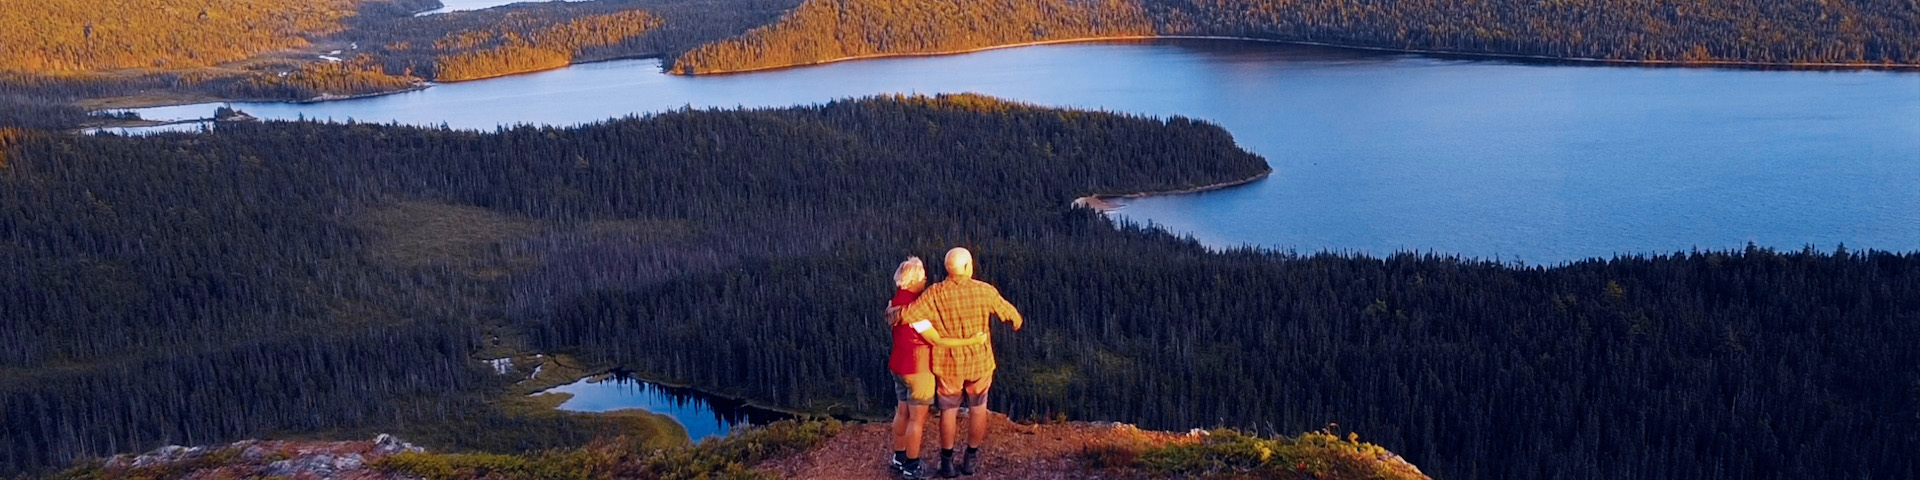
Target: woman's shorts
{"x":916,"y":389}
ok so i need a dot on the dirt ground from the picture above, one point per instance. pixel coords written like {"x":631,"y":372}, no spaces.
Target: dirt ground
{"x":1012,"y":451}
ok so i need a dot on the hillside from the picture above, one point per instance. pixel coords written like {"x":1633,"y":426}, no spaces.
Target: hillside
{"x":804,"y":450}
{"x":56,"y":36}
{"x":1759,"y":32}
{"x":818,"y":31}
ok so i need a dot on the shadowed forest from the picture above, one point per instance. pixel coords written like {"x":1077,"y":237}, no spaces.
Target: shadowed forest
{"x":288,"y":277}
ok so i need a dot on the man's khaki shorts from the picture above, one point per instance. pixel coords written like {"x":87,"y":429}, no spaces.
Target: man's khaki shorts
{"x":966,"y":393}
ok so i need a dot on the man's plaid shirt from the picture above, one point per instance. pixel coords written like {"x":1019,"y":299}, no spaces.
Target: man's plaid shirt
{"x":960,"y":308}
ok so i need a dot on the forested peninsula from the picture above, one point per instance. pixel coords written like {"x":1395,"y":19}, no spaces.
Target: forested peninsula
{"x":273,"y":278}
{"x":60,"y":58}
{"x":1856,"y":33}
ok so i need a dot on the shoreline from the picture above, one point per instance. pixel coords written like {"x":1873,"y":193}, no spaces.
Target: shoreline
{"x":328,"y":97}
{"x":1484,"y":55}
{"x":323,"y":98}
{"x":97,"y":129}
{"x":1101,"y":202}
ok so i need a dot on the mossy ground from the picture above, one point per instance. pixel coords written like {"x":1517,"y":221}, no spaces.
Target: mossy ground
{"x":1231,"y":454}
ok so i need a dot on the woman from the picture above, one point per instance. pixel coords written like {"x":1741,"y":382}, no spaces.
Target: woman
{"x":912,"y":366}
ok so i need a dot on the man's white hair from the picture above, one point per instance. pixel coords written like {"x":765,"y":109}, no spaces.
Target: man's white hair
{"x":911,"y":272}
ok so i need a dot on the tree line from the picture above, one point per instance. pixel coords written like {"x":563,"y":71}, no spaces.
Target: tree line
{"x":1857,"y":32}
{"x":1851,"y":32}
{"x":295,"y":277}
{"x":824,"y":30}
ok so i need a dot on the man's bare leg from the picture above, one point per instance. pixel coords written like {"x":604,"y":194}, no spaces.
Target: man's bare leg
{"x":977,"y":426}
{"x":949,"y":427}
{"x":977,"y":416}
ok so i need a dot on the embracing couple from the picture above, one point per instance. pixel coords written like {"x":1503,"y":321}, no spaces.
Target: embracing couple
{"x":940,"y":350}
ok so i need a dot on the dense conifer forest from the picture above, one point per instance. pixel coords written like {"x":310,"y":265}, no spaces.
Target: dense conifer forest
{"x":1761,"y":31}
{"x":819,"y":31}
{"x":286,"y":277}
{"x":1855,"y":32}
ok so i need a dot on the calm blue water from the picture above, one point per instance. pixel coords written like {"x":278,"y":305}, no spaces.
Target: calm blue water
{"x":1375,"y":152}
{"x":703,"y":416}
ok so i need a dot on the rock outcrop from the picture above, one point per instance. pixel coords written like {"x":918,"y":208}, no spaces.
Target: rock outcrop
{"x":263,"y":458}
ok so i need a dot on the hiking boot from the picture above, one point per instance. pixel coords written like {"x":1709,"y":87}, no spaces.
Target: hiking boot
{"x":946,"y":467}
{"x":913,"y":471}
{"x":972,"y":462}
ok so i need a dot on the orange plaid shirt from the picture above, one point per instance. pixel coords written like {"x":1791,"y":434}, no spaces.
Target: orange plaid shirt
{"x":960,"y":308}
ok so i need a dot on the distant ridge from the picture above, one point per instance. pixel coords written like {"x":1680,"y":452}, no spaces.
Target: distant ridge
{"x":1860,"y":34}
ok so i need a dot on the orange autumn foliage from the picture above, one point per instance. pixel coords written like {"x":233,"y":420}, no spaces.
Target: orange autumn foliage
{"x":825,"y":30}
{"x":9,"y":136}
{"x":522,"y":44}
{"x":96,"y":35}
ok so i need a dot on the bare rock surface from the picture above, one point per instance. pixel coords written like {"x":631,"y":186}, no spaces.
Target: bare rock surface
{"x":294,"y":459}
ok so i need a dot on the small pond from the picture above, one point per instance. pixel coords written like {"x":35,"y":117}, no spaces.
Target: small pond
{"x":702,"y":414}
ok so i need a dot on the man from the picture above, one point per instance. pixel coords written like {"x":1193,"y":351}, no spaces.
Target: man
{"x":961,"y":307}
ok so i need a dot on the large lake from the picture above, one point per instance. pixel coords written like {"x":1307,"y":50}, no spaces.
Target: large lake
{"x":1374,"y":152}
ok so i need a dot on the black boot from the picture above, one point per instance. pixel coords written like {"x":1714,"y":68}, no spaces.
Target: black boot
{"x":912,"y":470}
{"x":946,"y":464}
{"x":972,"y":463}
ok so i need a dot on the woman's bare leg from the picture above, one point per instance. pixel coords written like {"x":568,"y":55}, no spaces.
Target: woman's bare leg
{"x":901,"y":417}
{"x":916,"y":427}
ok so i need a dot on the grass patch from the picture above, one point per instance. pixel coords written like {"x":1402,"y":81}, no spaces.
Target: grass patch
{"x":731,"y":457}
{"x":1227,"y":453}
{"x":415,"y":234}
{"x":578,"y":464}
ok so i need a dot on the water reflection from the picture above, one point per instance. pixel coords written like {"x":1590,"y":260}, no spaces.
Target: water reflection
{"x":703,"y":415}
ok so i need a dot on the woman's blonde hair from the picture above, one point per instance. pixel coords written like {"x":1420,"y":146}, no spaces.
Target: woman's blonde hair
{"x":911,"y":272}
